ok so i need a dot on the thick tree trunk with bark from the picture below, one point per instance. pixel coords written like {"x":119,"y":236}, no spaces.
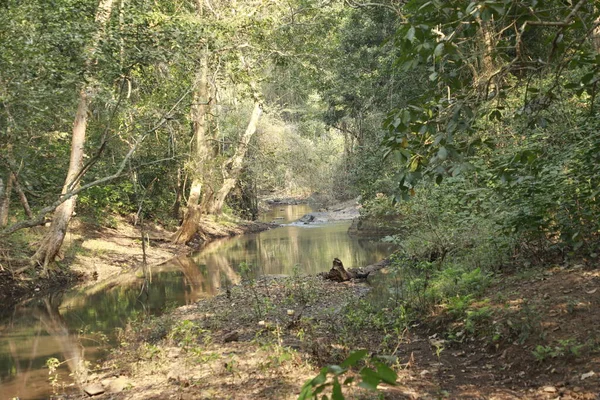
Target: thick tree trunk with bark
{"x":199,"y":111}
{"x":235,"y":163}
{"x":191,"y":219}
{"x":52,"y":241}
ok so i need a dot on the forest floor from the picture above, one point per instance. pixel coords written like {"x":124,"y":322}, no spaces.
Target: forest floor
{"x":91,"y":253}
{"x":533,"y":336}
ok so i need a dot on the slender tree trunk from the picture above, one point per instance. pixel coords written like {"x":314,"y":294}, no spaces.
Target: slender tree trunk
{"x":54,"y":238}
{"x":596,"y":36}
{"x":199,"y":111}
{"x":5,"y":199}
{"x":235,"y":163}
{"x":487,"y":64}
{"x":22,"y":197}
{"x":2,"y":194}
{"x":50,"y":245}
{"x":178,"y":190}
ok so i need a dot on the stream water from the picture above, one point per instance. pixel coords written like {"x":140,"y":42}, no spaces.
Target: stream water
{"x":70,"y":326}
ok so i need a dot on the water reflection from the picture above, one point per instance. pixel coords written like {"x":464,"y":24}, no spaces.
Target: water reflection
{"x":311,"y":247}
{"x":64,"y":326}
{"x":284,"y":214}
{"x":32,"y":338}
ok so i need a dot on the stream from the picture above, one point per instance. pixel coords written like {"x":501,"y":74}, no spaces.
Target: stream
{"x":78,"y":326}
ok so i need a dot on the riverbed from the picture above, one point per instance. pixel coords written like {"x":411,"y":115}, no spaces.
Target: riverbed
{"x":77,"y":327}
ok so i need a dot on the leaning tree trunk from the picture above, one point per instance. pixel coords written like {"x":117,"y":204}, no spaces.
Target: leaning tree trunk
{"x":235,"y":163}
{"x":198,"y":113}
{"x":52,"y":241}
{"x":22,"y":197}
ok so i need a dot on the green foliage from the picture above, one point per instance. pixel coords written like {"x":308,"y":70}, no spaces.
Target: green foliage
{"x":369,"y":378}
{"x":444,"y":125}
{"x":564,"y":348}
{"x":261,"y":304}
{"x":520,"y":139}
{"x":147,"y":328}
{"x":102,"y":201}
{"x":186,"y":334}
{"x":298,"y":291}
{"x":52,"y":364}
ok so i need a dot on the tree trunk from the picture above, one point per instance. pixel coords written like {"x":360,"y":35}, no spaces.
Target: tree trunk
{"x":178,"y":190}
{"x":338,"y":273}
{"x":199,"y":111}
{"x":596,"y":36}
{"x":2,"y":194}
{"x":52,"y":241}
{"x":50,"y":245}
{"x":235,"y":163}
{"x":22,"y":197}
{"x":5,"y":199}
{"x":487,"y":63}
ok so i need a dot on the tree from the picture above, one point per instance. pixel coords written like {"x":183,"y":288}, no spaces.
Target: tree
{"x":472,"y":52}
{"x":235,"y":39}
{"x":198,"y":115}
{"x":232,"y":168}
{"x":52,"y":241}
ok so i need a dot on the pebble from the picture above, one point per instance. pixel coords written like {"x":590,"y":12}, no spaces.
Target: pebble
{"x":118,"y":385}
{"x":550,"y":389}
{"x":231,"y":337}
{"x":93,"y":389}
{"x":587,"y":375}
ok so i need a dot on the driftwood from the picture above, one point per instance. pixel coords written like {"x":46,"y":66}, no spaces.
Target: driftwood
{"x":338,"y":273}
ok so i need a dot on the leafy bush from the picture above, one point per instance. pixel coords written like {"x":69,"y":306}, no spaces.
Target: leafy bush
{"x":102,"y":201}
{"x":369,"y":378}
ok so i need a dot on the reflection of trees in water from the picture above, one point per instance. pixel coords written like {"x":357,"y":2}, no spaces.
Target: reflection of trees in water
{"x":70,"y":347}
{"x":30,"y":381}
{"x":204,"y":276}
{"x":23,"y":374}
{"x":276,"y":251}
{"x":289,"y":213}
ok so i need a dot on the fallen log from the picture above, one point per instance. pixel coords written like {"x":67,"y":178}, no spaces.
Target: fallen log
{"x":338,"y":273}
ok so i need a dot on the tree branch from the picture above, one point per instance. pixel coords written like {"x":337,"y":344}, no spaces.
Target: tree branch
{"x":40,"y":218}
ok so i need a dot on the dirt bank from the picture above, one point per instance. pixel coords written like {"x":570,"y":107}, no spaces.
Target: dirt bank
{"x":91,"y":253}
{"x":533,"y":337}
